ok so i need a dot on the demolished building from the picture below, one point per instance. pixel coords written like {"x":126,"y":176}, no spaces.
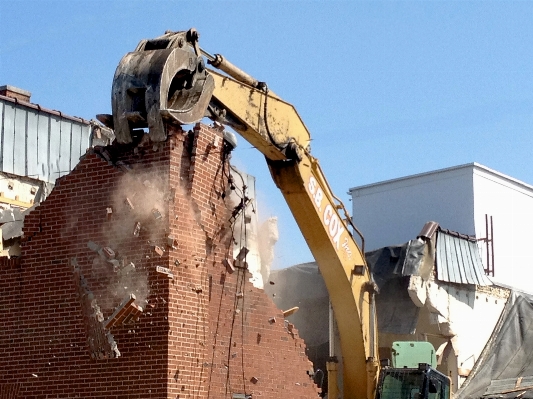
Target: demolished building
{"x":38,"y":145}
{"x":432,"y":288}
{"x":127,"y":286}
{"x":471,"y":198}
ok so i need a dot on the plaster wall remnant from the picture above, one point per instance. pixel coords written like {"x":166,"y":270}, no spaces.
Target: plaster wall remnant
{"x":195,"y":337}
{"x":268,"y":236}
{"x":258,"y":238}
{"x":460,"y":320}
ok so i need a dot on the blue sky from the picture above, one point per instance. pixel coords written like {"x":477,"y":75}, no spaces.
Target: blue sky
{"x":387,"y":88}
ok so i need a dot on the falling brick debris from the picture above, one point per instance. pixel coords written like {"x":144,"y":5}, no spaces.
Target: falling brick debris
{"x":128,"y":202}
{"x":137,"y":229}
{"x":164,"y":270}
{"x":158,"y":250}
{"x":109,"y":213}
{"x":156,"y":214}
{"x":108,"y":253}
{"x":115,"y":263}
{"x":126,"y":312}
{"x":290,"y":311}
{"x":171,"y":242}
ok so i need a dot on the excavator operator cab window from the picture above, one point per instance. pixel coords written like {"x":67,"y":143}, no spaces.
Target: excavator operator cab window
{"x":402,"y":384}
{"x":438,"y":386}
{"x":434,"y":389}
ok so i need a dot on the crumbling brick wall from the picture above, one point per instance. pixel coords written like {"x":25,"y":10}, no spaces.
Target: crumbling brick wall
{"x":153,"y":221}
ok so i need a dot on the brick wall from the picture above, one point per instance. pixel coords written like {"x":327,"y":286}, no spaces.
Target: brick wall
{"x":152,"y":221}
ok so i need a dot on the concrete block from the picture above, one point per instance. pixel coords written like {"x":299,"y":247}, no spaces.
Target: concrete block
{"x":108,"y":253}
{"x":164,"y":270}
{"x":115,"y":263}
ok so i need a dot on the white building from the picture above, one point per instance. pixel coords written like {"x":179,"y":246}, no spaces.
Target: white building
{"x":458,"y":198}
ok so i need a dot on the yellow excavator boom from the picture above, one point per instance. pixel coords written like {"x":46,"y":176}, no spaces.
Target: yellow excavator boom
{"x":274,"y":127}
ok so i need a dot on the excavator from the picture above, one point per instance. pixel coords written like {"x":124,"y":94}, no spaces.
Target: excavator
{"x":165,"y":80}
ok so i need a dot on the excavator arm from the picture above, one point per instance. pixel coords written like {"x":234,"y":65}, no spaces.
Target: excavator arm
{"x":274,"y":127}
{"x":165,"y":81}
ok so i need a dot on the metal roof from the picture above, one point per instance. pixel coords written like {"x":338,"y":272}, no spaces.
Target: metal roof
{"x":40,"y":143}
{"x":458,"y":260}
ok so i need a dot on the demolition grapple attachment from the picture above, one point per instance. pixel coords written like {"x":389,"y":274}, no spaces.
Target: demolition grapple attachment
{"x":163,"y":80}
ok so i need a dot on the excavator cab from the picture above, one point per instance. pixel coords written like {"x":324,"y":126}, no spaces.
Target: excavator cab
{"x":413,"y":374}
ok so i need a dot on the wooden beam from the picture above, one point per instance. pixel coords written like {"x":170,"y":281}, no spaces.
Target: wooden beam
{"x":10,"y":201}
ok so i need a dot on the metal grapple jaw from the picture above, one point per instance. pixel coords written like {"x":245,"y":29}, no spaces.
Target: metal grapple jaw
{"x":163,"y":80}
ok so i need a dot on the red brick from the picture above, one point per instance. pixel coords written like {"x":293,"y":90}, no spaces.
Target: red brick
{"x":189,"y":341}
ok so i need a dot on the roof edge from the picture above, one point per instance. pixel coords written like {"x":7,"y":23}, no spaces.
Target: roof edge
{"x":473,"y":165}
{"x":46,"y":110}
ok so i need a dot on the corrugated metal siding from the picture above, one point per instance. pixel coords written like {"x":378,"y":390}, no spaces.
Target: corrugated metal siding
{"x":458,"y":261}
{"x":509,"y":385}
{"x":39,"y":144}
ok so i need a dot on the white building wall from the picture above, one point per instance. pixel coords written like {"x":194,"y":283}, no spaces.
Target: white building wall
{"x":510,"y":203}
{"x":394,"y":211}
